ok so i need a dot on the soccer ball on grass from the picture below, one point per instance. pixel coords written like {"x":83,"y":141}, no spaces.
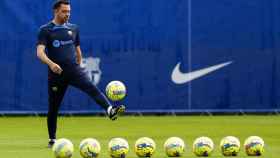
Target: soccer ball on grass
{"x":174,"y":147}
{"x":118,"y":148}
{"x":63,"y":148}
{"x":145,"y":147}
{"x":89,"y":148}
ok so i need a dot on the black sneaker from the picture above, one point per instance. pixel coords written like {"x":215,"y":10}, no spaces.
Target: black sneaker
{"x":115,"y":111}
{"x":51,"y":143}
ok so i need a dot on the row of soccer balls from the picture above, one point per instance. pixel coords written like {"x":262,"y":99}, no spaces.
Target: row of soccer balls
{"x":145,"y":147}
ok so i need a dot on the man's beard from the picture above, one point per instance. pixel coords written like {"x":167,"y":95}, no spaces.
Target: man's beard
{"x":64,"y":19}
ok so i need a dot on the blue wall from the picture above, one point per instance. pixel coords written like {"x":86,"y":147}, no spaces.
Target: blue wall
{"x":140,"y":43}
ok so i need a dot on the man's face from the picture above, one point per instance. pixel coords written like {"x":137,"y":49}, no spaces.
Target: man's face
{"x":63,"y":13}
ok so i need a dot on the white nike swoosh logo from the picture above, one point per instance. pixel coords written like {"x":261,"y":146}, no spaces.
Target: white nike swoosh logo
{"x":180,"y":78}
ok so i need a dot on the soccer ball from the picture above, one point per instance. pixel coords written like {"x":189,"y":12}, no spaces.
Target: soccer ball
{"x":145,"y":147}
{"x":203,"y":146}
{"x":115,"y":90}
{"x":63,"y":148}
{"x":89,"y":148}
{"x":118,"y":148}
{"x":174,"y":147}
{"x":230,"y":146}
{"x":254,"y":146}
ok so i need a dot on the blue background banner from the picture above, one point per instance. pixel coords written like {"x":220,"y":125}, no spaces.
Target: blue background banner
{"x":140,"y":43}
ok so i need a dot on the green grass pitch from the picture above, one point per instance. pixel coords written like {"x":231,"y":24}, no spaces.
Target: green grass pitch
{"x":26,"y":137}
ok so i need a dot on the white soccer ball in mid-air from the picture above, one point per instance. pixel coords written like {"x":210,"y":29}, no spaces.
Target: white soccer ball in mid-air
{"x":203,"y":146}
{"x":63,"y":148}
{"x":174,"y":147}
{"x":89,"y":148}
{"x":254,"y":146}
{"x":145,"y":147}
{"x":115,"y":90}
{"x":118,"y":148}
{"x":230,"y":146}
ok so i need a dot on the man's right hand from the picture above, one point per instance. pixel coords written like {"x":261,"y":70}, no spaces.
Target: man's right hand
{"x":56,"y":68}
{"x":44,"y":58}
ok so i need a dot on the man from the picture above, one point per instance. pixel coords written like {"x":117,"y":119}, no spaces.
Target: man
{"x":58,"y":46}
